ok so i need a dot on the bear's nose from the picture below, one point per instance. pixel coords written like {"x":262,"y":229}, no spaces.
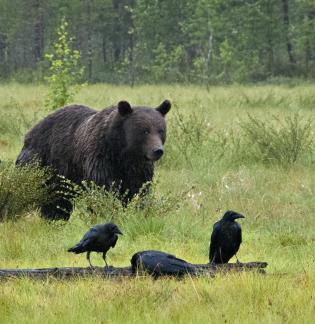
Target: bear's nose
{"x":158,"y":153}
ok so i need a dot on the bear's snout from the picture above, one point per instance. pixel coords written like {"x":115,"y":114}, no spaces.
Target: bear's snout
{"x":157,"y":153}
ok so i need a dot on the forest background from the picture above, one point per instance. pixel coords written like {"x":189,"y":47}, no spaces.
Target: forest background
{"x":159,"y":41}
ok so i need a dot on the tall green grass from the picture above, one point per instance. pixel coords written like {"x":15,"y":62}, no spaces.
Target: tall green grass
{"x":280,"y":141}
{"x":213,"y":161}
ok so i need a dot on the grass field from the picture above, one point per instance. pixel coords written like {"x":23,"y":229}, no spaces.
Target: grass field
{"x":216,"y":159}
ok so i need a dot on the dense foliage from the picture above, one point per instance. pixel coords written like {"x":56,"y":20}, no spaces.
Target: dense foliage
{"x":129,"y":41}
{"x":21,"y":190}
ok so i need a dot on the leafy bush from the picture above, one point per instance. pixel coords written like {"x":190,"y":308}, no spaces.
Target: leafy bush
{"x":144,"y":214}
{"x":21,"y":189}
{"x":96,"y":202}
{"x":64,"y":70}
{"x":283,"y":141}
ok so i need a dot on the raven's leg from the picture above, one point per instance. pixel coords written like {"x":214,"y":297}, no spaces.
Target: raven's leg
{"x":237,"y":260}
{"x":88,"y":258}
{"x":214,"y":256}
{"x":221,"y":254}
{"x":104,"y":258}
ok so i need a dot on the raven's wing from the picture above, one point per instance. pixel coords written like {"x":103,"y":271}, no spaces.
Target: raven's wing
{"x":176,"y":265}
{"x":214,"y":240}
{"x":160,"y":263}
{"x":88,"y":238}
{"x":114,"y":241}
{"x":238,"y":236}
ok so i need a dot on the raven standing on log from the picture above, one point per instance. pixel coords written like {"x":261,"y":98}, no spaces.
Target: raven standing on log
{"x":99,"y":238}
{"x":226,"y":238}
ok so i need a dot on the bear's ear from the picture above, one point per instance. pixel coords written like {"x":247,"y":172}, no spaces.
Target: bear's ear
{"x":164,"y":107}
{"x":124,"y":108}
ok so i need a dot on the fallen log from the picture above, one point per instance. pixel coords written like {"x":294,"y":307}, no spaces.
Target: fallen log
{"x":67,"y":272}
{"x":256,"y":265}
{"x":112,"y":272}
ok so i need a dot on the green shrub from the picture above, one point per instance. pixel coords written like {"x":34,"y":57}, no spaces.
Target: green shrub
{"x":21,"y":189}
{"x":282,"y":141}
{"x":93,"y":203}
{"x":64,"y":70}
{"x":143,"y":215}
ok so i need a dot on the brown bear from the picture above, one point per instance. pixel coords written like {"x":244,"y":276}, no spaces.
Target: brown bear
{"x":115,"y":148}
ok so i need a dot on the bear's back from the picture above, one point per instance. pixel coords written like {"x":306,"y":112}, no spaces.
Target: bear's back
{"x":52,"y":137}
{"x":57,"y":126}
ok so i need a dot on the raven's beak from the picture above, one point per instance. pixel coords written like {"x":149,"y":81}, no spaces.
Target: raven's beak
{"x":239,"y":216}
{"x":119,"y":232}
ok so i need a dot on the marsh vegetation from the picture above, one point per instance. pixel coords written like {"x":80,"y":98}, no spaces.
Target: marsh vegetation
{"x":246,"y":148}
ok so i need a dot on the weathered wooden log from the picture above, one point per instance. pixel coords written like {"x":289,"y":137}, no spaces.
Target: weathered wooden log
{"x":257,"y":266}
{"x":67,"y":272}
{"x":112,"y":272}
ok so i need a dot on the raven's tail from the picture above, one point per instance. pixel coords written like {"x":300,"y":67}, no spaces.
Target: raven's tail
{"x":76,"y":249}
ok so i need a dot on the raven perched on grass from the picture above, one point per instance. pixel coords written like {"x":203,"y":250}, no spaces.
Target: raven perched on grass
{"x":226,"y":238}
{"x":99,"y":238}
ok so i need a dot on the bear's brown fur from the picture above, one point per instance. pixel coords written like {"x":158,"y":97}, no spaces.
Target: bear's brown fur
{"x":115,"y":147}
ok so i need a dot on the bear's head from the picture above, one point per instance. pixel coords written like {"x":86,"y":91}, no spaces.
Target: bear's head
{"x":144,"y":130}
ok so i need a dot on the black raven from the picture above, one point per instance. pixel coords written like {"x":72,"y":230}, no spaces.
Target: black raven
{"x":159,"y":263}
{"x":99,"y":238}
{"x":226,"y":238}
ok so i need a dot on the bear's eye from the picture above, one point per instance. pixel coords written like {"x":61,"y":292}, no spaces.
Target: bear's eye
{"x":161,"y":131}
{"x":146,"y":131}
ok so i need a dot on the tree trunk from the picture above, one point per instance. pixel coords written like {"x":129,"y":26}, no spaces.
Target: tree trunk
{"x":270,"y":41}
{"x":308,"y":47}
{"x":89,"y":39}
{"x":117,"y":36}
{"x":104,"y":49}
{"x":38,"y":31}
{"x":3,"y":56}
{"x":286,"y":22}
{"x":3,"y":47}
{"x":131,"y":61}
